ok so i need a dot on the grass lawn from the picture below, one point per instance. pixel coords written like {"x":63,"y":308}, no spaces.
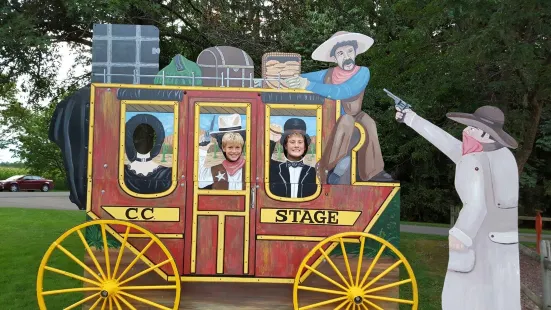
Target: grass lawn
{"x":26,"y":234}
{"x":522,"y":230}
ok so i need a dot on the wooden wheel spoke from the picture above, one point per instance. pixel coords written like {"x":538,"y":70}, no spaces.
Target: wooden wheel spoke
{"x":344,"y":303}
{"x":349,"y":306}
{"x":372,"y":304}
{"x":325,"y":277}
{"x":334,"y":267}
{"x":373,"y":263}
{"x":321,"y":290}
{"x":382,"y":274}
{"x":364,"y":306}
{"x":123,"y":245}
{"x":145,"y":271}
{"x":72,"y":275}
{"x":317,"y":263}
{"x":379,"y":288}
{"x":96,"y":303}
{"x":145,"y":301}
{"x":104,"y":303}
{"x":106,"y":251}
{"x":116,"y":301}
{"x":359,"y":269}
{"x":78,"y":261}
{"x":70,"y":290}
{"x":126,"y":302}
{"x":136,"y":259}
{"x":397,"y":300}
{"x":91,"y":254}
{"x":110,"y":303}
{"x":78,"y":303}
{"x":323,"y":303}
{"x":346,"y":261}
{"x":148,"y":287}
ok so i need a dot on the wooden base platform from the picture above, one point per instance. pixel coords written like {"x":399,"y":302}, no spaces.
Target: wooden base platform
{"x":244,"y":296}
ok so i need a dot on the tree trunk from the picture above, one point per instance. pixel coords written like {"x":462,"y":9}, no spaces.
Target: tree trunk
{"x":529,"y":137}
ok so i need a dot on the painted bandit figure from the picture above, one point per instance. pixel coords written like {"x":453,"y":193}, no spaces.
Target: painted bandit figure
{"x":292,"y":178}
{"x":345,"y":82}
{"x":230,"y":174}
{"x":483,"y":267}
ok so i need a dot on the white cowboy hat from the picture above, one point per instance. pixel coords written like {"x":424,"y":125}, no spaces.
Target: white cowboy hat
{"x":323,"y":52}
{"x":228,"y":123}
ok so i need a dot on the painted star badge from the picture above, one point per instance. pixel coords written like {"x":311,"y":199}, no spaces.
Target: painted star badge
{"x":220,"y":176}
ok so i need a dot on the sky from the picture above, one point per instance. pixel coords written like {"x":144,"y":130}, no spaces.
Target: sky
{"x":67,"y":64}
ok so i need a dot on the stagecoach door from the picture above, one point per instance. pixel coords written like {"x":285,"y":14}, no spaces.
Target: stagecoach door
{"x":220,"y":229}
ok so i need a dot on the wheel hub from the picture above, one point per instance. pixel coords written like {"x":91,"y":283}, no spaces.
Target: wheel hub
{"x":109,"y":288}
{"x":355,"y":295}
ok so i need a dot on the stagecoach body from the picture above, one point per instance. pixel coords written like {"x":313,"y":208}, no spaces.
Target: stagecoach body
{"x":174,"y":223}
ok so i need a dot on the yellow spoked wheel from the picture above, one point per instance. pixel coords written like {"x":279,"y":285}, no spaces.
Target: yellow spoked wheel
{"x":351,"y":278}
{"x":112,"y":277}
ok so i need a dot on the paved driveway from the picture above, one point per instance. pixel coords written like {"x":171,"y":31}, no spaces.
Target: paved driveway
{"x":37,"y":200}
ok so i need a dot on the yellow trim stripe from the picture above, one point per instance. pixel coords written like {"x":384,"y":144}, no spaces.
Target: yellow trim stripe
{"x":161,"y":236}
{"x":90,"y":149}
{"x":298,"y":238}
{"x":220,"y":256}
{"x":122,"y":150}
{"x":267,"y":156}
{"x":233,"y":279}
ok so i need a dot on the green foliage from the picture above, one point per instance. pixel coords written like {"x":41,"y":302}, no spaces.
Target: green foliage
{"x":6,"y":172}
{"x":439,"y":56}
{"x":94,"y":238}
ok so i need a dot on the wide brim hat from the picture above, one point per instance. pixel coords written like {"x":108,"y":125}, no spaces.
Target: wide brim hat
{"x":226,"y":124}
{"x":490,"y":119}
{"x":323,"y":52}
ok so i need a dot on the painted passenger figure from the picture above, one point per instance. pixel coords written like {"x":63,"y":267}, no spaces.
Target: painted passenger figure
{"x":483,"y":267}
{"x":345,"y":82}
{"x":144,"y":140}
{"x":230,"y":174}
{"x":292,"y":178}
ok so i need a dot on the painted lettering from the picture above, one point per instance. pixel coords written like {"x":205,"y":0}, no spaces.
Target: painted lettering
{"x":127,"y":213}
{"x":333,"y":217}
{"x":281,"y":216}
{"x":146,"y":217}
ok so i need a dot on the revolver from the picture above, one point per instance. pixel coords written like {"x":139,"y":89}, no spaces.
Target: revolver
{"x":398,"y":103}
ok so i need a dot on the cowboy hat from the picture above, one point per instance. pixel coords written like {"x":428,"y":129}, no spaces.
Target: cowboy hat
{"x":489,"y":119}
{"x":228,"y":123}
{"x":323,"y":52}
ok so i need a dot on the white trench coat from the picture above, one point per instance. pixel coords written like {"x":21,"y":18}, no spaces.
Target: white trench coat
{"x":486,"y":276}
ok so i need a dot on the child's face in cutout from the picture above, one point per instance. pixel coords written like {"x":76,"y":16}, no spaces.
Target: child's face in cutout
{"x":233,"y":151}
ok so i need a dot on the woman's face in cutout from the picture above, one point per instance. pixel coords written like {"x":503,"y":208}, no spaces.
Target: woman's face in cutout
{"x":233,"y":151}
{"x":295,"y":147}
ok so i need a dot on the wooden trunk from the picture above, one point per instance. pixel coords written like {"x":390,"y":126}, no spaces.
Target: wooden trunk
{"x":221,"y":62}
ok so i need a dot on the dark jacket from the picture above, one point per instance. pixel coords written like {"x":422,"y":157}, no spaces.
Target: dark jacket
{"x":280,"y":180}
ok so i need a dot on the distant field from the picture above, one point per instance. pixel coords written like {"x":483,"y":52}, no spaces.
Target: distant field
{"x":6,"y":172}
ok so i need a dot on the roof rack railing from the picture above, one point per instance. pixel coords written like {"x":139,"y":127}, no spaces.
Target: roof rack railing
{"x":224,"y":79}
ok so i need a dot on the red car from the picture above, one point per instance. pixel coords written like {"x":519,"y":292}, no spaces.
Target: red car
{"x":26,"y":183}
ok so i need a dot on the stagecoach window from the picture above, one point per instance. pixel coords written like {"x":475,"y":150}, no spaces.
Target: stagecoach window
{"x":222,"y":149}
{"x":293,"y":148}
{"x":149,"y":162}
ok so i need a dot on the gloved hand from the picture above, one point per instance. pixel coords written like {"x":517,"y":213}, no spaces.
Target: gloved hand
{"x":297,"y":82}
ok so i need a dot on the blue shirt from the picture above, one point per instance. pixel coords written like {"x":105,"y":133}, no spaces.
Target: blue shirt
{"x":352,"y":87}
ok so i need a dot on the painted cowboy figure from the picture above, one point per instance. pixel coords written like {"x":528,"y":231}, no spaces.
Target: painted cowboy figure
{"x":292,"y":178}
{"x":483,"y":267}
{"x":345,"y":82}
{"x":230,"y":174}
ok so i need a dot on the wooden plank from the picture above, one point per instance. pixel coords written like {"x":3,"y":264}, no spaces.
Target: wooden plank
{"x":234,"y":240}
{"x":207,"y":238}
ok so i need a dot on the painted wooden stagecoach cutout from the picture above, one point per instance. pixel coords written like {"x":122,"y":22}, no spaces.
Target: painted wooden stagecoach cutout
{"x":242,"y":235}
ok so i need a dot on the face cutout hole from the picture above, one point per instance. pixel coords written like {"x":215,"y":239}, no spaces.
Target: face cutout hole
{"x":144,"y":136}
